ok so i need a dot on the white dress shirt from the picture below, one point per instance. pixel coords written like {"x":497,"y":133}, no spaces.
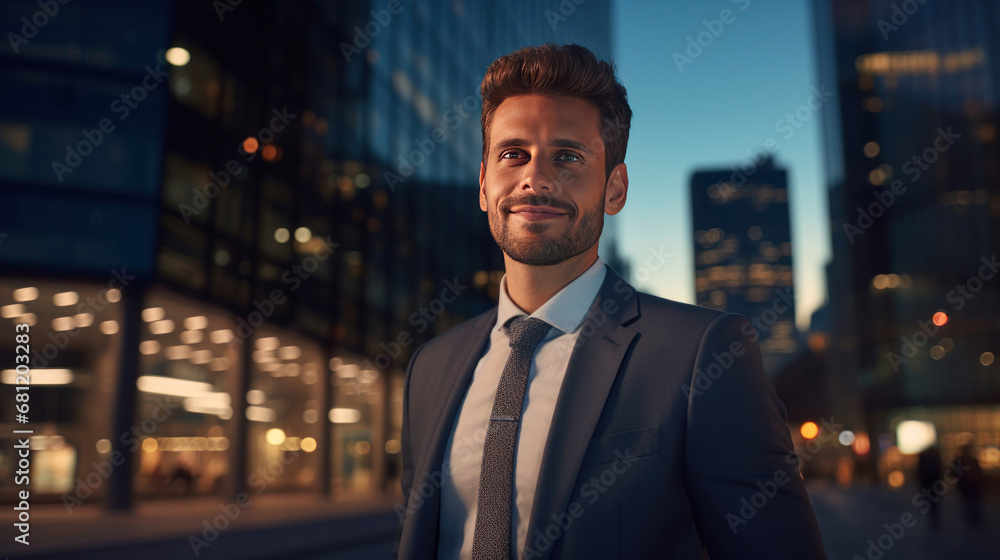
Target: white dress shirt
{"x":463,"y":456}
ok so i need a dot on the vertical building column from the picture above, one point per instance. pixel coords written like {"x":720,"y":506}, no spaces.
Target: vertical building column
{"x":119,"y":494}
{"x":325,"y":431}
{"x":238,"y":436}
{"x":379,"y":430}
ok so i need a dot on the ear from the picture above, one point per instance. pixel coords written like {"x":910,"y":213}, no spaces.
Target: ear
{"x":616,"y":190}
{"x":482,"y":186}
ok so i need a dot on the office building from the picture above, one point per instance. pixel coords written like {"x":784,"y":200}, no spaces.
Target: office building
{"x":911,"y":159}
{"x":228,"y":226}
{"x":743,"y":251}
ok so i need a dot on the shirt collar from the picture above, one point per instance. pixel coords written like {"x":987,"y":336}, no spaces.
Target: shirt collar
{"x":565,"y":310}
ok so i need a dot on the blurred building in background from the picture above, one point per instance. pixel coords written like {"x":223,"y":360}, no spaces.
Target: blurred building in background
{"x":229,"y":226}
{"x":913,"y":169}
{"x":743,"y":252}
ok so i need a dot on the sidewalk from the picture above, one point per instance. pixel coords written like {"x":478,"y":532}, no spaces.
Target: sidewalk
{"x":853,"y":523}
{"x":280,"y":525}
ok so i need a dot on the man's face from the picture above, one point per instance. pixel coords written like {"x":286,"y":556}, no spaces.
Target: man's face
{"x":543,"y":185}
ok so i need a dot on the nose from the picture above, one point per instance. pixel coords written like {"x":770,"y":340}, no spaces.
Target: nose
{"x":538,"y":176}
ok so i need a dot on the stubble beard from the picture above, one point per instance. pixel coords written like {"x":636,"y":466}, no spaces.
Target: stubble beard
{"x":532,"y":249}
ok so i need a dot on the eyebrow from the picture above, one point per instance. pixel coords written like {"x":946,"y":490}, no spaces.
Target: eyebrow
{"x":559,"y":143}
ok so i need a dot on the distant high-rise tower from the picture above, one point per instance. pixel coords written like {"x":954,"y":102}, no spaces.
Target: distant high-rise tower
{"x":911,"y":153}
{"x":743,"y":252}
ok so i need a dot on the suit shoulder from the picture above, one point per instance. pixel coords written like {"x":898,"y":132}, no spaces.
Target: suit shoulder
{"x":460,"y":334}
{"x":693,"y":318}
{"x":654,"y":305}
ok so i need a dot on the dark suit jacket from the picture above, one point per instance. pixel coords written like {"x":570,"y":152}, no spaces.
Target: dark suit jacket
{"x":667,"y":440}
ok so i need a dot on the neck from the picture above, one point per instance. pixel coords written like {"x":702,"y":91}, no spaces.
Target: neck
{"x":530,"y":286}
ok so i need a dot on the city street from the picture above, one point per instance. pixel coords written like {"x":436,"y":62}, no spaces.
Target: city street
{"x":851,"y":517}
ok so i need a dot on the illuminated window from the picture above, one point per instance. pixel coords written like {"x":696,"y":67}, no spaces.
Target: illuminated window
{"x":284,"y":409}
{"x":184,"y":398}
{"x":356,"y":416}
{"x":72,"y":380}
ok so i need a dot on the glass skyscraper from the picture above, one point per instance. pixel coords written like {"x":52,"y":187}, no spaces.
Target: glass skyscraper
{"x":228,"y":225}
{"x":743,"y":251}
{"x":912,"y":167}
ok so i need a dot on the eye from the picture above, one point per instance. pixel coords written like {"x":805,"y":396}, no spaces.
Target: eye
{"x":512,"y":154}
{"x":569,"y":156}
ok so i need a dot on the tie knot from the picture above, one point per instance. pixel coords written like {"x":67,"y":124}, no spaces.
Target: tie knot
{"x":527,"y":332}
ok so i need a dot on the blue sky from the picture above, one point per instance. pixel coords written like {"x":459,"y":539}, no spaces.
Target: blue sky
{"x":729,"y":99}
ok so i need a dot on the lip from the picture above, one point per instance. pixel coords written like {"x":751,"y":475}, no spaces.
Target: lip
{"x":535,"y":213}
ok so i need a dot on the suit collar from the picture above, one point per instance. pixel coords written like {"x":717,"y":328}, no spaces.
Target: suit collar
{"x":566,"y":309}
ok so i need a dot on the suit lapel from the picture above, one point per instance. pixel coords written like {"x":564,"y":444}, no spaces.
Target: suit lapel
{"x":452,"y":390}
{"x":590,"y":374}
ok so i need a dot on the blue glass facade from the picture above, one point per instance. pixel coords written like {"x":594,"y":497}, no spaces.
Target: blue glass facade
{"x":293,"y":205}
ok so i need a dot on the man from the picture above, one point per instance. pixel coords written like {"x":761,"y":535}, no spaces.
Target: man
{"x":614,"y":424}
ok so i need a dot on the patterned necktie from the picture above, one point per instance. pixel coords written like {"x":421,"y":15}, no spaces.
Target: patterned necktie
{"x":491,"y":540}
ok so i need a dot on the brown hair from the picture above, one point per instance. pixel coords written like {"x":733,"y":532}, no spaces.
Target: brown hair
{"x":570,"y":70}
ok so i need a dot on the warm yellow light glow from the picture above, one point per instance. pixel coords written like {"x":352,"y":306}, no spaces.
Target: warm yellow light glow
{"x":250,"y":145}
{"x":896,"y":479}
{"x":222,"y":336}
{"x":210,"y":403}
{"x":177,"y":56}
{"x":63,"y":324}
{"x":26,"y":294}
{"x":103,"y":446}
{"x":40,"y":376}
{"x":114,"y":295}
{"x":191,"y":337}
{"x":289,"y":352}
{"x":256,"y":396}
{"x":219,"y":364}
{"x":308,"y":444}
{"x":303,"y":234}
{"x":861,"y":444}
{"x":196,"y":323}
{"x":260,"y":414}
{"x":809,"y":430}
{"x":986,"y":358}
{"x":149,"y":445}
{"x":179,"y":352}
{"x":83,"y":319}
{"x":913,"y":436}
{"x":65,"y":298}
{"x":876,"y":177}
{"x":268,"y":343}
{"x":392,"y":446}
{"x":109,"y":327}
{"x":162,"y":327}
{"x":172,"y":386}
{"x":153,"y":314}
{"x":281,"y":235}
{"x":872,"y":149}
{"x":940,"y":318}
{"x":344,"y":415}
{"x":29,"y":319}
{"x":362,"y":447}
{"x":12,"y":310}
{"x":149,"y":347}
{"x":201,"y":357}
{"x":275,"y":436}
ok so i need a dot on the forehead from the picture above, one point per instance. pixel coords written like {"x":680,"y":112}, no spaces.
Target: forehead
{"x":546,"y":117}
